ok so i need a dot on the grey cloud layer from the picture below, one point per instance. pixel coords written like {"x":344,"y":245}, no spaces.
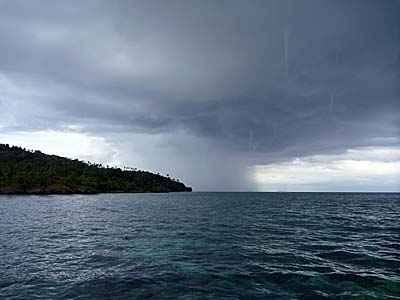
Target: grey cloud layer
{"x":269,"y":79}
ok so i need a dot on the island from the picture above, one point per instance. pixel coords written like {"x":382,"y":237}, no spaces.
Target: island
{"x":25,"y":171}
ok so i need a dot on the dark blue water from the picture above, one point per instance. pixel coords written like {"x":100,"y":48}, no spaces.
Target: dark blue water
{"x":200,"y":246}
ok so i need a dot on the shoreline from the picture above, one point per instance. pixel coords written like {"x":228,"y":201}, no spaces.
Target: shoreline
{"x":67,"y":191}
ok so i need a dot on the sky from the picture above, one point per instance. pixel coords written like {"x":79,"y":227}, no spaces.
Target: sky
{"x":259,"y":95}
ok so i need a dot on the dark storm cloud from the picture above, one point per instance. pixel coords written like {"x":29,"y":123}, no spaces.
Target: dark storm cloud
{"x":267,"y":79}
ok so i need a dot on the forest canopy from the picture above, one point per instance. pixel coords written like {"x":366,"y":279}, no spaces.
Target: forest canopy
{"x":33,"y":172}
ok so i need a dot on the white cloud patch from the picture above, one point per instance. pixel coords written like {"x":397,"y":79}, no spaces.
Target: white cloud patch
{"x":362,"y":169}
{"x":68,"y":143}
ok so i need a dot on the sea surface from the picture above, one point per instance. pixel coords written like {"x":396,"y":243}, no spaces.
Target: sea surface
{"x":200,"y":246}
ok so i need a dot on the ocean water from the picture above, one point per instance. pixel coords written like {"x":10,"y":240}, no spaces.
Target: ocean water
{"x":200,"y":246}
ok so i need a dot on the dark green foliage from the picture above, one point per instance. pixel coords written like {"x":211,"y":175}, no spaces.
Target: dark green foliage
{"x":23,"y":171}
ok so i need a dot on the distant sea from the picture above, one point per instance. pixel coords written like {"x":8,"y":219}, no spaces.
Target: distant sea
{"x":200,"y":246}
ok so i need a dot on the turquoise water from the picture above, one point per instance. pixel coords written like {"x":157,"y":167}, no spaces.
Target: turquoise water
{"x":200,"y":246}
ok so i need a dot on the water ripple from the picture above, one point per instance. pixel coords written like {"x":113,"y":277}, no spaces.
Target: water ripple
{"x":200,"y":246}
